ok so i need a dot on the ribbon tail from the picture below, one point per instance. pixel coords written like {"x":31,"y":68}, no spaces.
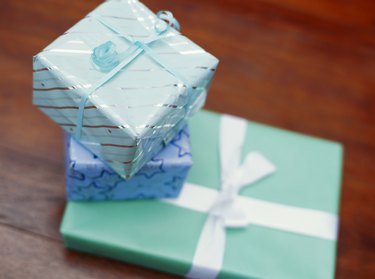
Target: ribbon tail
{"x":232,"y":137}
{"x":255,"y":167}
{"x":209,"y":255}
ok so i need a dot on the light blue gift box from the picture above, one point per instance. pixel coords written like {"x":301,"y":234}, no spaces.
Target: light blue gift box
{"x":124,"y":81}
{"x":89,"y":178}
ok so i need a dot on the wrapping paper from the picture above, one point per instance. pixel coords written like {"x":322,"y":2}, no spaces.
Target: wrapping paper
{"x":308,"y":176}
{"x":89,"y":178}
{"x":138,"y":111}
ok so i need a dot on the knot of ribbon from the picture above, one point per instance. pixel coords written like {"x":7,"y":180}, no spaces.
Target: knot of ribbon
{"x":105,"y":56}
{"x":106,"y":59}
{"x":225,"y":206}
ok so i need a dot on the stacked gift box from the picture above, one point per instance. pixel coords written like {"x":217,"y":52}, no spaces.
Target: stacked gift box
{"x":89,"y":178}
{"x":143,"y":160}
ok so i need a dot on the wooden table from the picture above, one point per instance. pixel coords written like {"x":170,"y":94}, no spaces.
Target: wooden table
{"x":304,"y":66}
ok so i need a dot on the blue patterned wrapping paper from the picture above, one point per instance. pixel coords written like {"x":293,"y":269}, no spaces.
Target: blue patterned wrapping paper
{"x":89,"y":178}
{"x":129,"y":118}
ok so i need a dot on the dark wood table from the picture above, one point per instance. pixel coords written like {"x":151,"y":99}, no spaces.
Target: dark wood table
{"x":307,"y":66}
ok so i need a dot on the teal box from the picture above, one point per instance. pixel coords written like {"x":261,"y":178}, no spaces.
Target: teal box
{"x":276,"y":217}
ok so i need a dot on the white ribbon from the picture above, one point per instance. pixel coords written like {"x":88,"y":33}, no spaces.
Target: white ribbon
{"x":226,"y":209}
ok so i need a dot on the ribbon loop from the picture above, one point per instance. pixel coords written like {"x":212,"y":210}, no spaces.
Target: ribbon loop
{"x":167,"y":17}
{"x":105,"y":57}
{"x":160,"y":26}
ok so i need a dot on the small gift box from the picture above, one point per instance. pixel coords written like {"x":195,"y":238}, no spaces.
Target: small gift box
{"x":259,"y":202}
{"x":89,"y":178}
{"x":124,"y":81}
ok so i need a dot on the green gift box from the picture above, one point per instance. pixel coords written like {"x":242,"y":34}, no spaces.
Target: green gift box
{"x":282,"y":225}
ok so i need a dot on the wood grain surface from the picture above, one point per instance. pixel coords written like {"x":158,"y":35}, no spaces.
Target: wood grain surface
{"x":306,"y":66}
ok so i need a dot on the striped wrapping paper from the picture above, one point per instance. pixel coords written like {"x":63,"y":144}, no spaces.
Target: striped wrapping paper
{"x":133,"y":115}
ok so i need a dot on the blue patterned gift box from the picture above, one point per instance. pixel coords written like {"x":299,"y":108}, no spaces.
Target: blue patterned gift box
{"x":89,"y":178}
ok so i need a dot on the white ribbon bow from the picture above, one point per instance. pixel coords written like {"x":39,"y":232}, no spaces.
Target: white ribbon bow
{"x":226,"y":212}
{"x":227,"y":209}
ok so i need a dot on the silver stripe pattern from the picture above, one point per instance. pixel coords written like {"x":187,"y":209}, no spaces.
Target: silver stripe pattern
{"x":141,"y":104}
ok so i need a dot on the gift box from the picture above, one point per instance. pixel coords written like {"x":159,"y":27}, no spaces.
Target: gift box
{"x":89,"y":178}
{"x":124,"y":81}
{"x":259,"y":202}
